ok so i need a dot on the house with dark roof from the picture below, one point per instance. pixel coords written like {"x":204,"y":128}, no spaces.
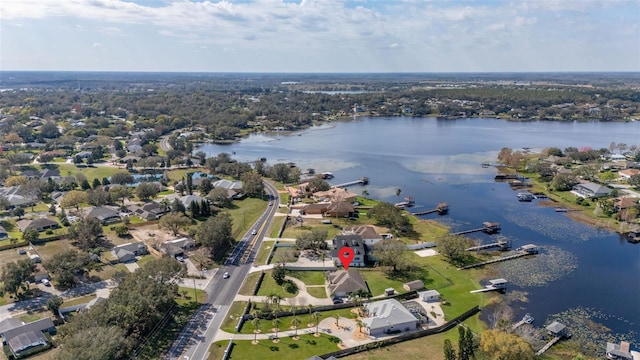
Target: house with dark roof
{"x":228,"y":184}
{"x":342,"y":283}
{"x":340,"y":209}
{"x":588,"y":189}
{"x":148,"y":211}
{"x":128,"y":252}
{"x":388,"y":317}
{"x":104,"y":214}
{"x":557,"y":329}
{"x":356,"y":244}
{"x":178,"y":246}
{"x":25,"y":337}
{"x":188,"y":199}
{"x":39,"y":225}
{"x":16,"y":198}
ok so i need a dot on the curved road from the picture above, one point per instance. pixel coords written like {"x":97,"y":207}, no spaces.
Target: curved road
{"x":195,"y":339}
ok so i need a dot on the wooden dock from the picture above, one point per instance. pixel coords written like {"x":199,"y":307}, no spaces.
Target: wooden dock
{"x":488,"y":227}
{"x":441,"y":209}
{"x":503,"y":258}
{"x":548,"y":345}
{"x":518,"y":324}
{"x":502,"y":244}
{"x":362,"y":181}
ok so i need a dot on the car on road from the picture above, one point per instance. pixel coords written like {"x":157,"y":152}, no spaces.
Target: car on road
{"x":254,"y":232}
{"x":180,"y":258}
{"x":337,"y":300}
{"x":226,"y":275}
{"x":46,"y":282}
{"x":270,"y":203}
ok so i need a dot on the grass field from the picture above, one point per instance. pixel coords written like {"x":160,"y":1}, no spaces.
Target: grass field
{"x":263,"y":253}
{"x":269,"y":286}
{"x":283,"y":254}
{"x":276,"y":224}
{"x":90,"y":172}
{"x":107,"y":272}
{"x":79,"y":300}
{"x":286,"y":348}
{"x":318,"y":292}
{"x":245,"y":214}
{"x":235,"y":311}
{"x":249,"y":284}
{"x":309,"y":277}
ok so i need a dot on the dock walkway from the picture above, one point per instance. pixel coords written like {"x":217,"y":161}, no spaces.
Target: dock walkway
{"x":548,"y":345}
{"x":504,"y":258}
{"x":500,"y":244}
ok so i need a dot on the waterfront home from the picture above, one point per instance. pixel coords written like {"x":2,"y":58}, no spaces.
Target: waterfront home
{"x":367,"y":233}
{"x":625,"y":202}
{"x":314,"y":209}
{"x":39,"y":225}
{"x":335,"y":194}
{"x":628,"y":173}
{"x":588,"y":189}
{"x":228,"y":184}
{"x":351,"y":241}
{"x":388,"y":317}
{"x":342,"y":283}
{"x":15,"y":198}
{"x":619,"y":351}
{"x":340,"y":209}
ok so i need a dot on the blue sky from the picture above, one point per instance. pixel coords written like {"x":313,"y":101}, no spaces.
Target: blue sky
{"x":320,"y":35}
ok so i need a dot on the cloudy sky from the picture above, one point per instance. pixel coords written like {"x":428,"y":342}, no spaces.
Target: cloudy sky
{"x":320,"y":35}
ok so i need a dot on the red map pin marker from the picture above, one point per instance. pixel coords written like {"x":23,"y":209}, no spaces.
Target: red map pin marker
{"x":346,"y":256}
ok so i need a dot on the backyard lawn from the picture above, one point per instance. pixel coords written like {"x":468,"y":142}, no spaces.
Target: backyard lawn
{"x":309,"y":277}
{"x":306,"y":347}
{"x":269,"y":286}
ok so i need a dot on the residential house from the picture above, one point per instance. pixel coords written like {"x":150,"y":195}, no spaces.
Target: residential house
{"x":148,"y":211}
{"x":104,"y":214}
{"x":3,"y":233}
{"x":388,"y":317}
{"x":588,"y":189}
{"x":40,"y":273}
{"x":188,"y":199}
{"x":314,"y":209}
{"x":625,"y":202}
{"x":228,"y":184}
{"x":429,"y":296}
{"x":297,"y":191}
{"x":628,"y":173}
{"x":619,"y":351}
{"x":25,"y":337}
{"x":128,"y":252}
{"x":16,"y":199}
{"x":335,"y":194}
{"x":39,"y":225}
{"x":355,"y":243}
{"x":178,"y":246}
{"x":340,"y":209}
{"x":367,"y":233}
{"x":342,"y":283}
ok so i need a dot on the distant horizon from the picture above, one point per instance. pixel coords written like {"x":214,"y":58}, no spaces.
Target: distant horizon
{"x":322,"y":73}
{"x":321,"y":36}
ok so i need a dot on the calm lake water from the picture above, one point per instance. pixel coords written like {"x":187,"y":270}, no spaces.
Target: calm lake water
{"x":439,"y":160}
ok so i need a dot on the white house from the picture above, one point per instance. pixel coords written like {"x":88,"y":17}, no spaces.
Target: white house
{"x":590,"y":190}
{"x":388,"y":317}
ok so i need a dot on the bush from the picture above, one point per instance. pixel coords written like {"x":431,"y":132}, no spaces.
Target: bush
{"x":291,"y":287}
{"x":49,"y":232}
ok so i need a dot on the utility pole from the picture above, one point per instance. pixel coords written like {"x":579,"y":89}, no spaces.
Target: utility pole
{"x":195,"y":290}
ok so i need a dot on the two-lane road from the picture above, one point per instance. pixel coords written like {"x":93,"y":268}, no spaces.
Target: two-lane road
{"x":221,"y":292}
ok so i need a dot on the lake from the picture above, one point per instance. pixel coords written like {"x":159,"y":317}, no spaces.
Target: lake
{"x":437,"y":160}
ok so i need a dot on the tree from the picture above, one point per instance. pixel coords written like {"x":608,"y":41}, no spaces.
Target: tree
{"x":453,"y":247}
{"x":205,"y":186}
{"x":104,"y":342}
{"x":49,"y":130}
{"x":256,"y":324}
{"x":16,"y":180}
{"x":120,"y":193}
{"x":30,"y":235}
{"x":564,"y":182}
{"x":449,"y":352}
{"x":504,"y":346}
{"x":279,"y":172}
{"x":146,"y":191}
{"x":360,"y":324}
{"x":252,"y":184}
{"x":65,"y":267}
{"x":85,"y":185}
{"x":316,"y":317}
{"x":122,"y":230}
{"x":17,"y":275}
{"x":19,"y":212}
{"x":295,"y":322}
{"x":174,"y":222}
{"x":219,"y":197}
{"x":54,"y":303}
{"x":177,"y":206}
{"x":385,"y":214}
{"x":86,"y":233}
{"x":276,"y":325}
{"x":201,"y":258}
{"x":634,"y":181}
{"x":278,"y":274}
{"x":337,"y":317}
{"x":4,"y":203}
{"x":98,"y":197}
{"x":391,"y":253}
{"x":314,"y":240}
{"x":73,"y":199}
{"x":317,"y":183}
{"x":216,"y":234}
{"x":122,"y":178}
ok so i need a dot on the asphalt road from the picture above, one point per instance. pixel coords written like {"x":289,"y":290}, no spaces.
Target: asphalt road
{"x":194,"y":343}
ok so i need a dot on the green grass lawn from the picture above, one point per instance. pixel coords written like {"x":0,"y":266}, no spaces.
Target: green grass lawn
{"x":235,"y":311}
{"x":145,"y":259}
{"x":245,"y":214}
{"x":306,"y":320}
{"x":309,"y":277}
{"x":107,"y":272}
{"x":188,"y":295}
{"x":285,"y":254}
{"x":318,"y":292}
{"x":39,"y":207}
{"x":269,"y":286}
{"x":95,"y":172}
{"x":48,"y":249}
{"x":249,"y":284}
{"x":379,"y":280}
{"x":276,"y":224}
{"x":287,"y":348}
{"x":79,"y":300}
{"x":263,"y":253}
{"x":31,"y":317}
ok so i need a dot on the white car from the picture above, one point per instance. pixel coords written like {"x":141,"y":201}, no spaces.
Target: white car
{"x":254,"y":232}
{"x":226,"y":275}
{"x":46,"y":282}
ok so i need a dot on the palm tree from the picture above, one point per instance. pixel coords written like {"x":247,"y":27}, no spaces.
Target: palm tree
{"x":316,"y":316}
{"x":276,"y":323}
{"x":295,"y":323}
{"x":337,"y":317}
{"x":275,"y":300}
{"x":256,"y":322}
{"x":359,"y":324}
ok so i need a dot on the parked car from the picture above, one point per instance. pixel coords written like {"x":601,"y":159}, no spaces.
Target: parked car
{"x":46,"y":282}
{"x":180,"y":258}
{"x":226,"y":275}
{"x":337,"y":300}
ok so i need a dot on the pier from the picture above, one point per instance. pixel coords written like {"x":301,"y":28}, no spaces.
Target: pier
{"x":362,"y":181}
{"x":526,"y":250}
{"x":488,"y":227}
{"x":441,"y":209}
{"x":502,"y":244}
{"x":505,"y":177}
{"x":494,"y":285}
{"x":548,"y":345}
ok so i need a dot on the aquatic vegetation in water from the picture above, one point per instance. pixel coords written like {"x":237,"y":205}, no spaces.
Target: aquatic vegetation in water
{"x":549,"y":225}
{"x":550,"y":265}
{"x":588,"y":331}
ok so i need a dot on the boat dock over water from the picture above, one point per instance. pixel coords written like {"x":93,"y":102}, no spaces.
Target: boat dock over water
{"x":441,"y":209}
{"x":526,"y":250}
{"x":487,"y":226}
{"x":362,"y":181}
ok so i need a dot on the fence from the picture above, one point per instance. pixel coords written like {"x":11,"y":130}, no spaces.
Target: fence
{"x":401,"y":338}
